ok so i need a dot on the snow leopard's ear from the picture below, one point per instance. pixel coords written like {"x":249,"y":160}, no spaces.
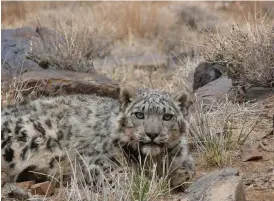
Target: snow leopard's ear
{"x":127,"y":94}
{"x":184,"y":101}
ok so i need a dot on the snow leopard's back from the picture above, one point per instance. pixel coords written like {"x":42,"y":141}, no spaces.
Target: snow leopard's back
{"x":40,"y":134}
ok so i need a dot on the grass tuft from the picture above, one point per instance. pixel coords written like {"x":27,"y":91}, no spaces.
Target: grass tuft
{"x":217,"y":134}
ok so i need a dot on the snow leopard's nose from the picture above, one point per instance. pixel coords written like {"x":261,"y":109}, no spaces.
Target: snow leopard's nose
{"x":152,"y":136}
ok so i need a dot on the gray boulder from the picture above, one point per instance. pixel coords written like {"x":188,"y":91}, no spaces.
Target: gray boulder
{"x":36,"y":78}
{"x":15,"y":43}
{"x":215,"y":91}
{"x":206,"y":72}
{"x":220,"y":185}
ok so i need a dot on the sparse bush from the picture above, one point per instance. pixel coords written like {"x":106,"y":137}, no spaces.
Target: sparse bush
{"x":217,"y":134}
{"x":247,"y":52}
{"x":63,"y":50}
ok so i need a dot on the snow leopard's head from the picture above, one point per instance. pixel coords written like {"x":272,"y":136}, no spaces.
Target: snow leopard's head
{"x":152,"y":121}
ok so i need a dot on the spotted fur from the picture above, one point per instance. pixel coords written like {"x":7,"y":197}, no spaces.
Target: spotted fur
{"x":40,"y":135}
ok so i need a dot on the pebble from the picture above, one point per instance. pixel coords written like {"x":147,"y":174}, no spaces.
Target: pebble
{"x":45,"y":188}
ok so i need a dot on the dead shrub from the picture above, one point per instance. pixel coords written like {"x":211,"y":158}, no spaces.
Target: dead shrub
{"x":64,"y":50}
{"x":247,"y":52}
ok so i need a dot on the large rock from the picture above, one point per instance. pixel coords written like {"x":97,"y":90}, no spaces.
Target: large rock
{"x":15,"y":44}
{"x":215,"y":91}
{"x":259,"y":93}
{"x":18,"y":44}
{"x":17,"y":60}
{"x":55,"y":82}
{"x":220,"y":185}
{"x":220,"y":89}
{"x":206,"y":72}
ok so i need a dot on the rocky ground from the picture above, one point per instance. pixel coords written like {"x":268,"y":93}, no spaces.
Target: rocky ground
{"x":33,"y":66}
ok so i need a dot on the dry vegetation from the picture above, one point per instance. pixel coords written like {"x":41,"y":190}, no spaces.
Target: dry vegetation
{"x":129,"y":185}
{"x":218,"y":134}
{"x":246,"y":51}
{"x":92,"y":30}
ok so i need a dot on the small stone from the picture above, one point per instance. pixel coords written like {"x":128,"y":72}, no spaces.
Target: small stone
{"x":45,"y":188}
{"x":250,"y":153}
{"x":14,"y":191}
{"x":25,"y":185}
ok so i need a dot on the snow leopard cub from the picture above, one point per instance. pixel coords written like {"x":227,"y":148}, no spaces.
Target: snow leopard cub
{"x":97,"y":131}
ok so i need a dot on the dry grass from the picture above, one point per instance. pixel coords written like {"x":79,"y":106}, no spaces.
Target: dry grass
{"x":157,"y":24}
{"x":12,"y":90}
{"x":125,"y":185}
{"x":172,"y":81}
{"x":10,"y":95}
{"x":120,"y":20}
{"x":63,"y":50}
{"x":246,"y":52}
{"x":217,"y":134}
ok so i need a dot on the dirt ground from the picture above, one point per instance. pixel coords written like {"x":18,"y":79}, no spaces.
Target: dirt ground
{"x":258,"y":176}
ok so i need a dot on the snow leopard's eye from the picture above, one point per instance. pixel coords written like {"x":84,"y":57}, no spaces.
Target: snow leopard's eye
{"x":139,"y":115}
{"x":167,"y":117}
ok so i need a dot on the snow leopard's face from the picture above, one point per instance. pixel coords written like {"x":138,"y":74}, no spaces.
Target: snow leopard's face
{"x":152,"y":121}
